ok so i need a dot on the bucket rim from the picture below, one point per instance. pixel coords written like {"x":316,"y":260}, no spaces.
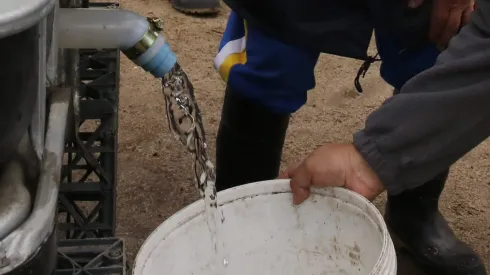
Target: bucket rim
{"x":269,"y":187}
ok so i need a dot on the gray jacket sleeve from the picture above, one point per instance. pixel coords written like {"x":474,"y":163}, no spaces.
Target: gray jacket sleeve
{"x":439,"y":115}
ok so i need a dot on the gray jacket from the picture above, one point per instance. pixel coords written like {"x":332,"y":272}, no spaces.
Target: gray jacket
{"x":439,"y":115}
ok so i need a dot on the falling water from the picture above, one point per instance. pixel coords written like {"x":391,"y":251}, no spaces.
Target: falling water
{"x":185,"y":121}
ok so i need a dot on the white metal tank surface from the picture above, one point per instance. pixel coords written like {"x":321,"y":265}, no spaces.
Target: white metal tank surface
{"x":18,"y":15}
{"x":334,"y":232}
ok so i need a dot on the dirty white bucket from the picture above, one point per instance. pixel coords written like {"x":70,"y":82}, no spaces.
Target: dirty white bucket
{"x":334,"y":232}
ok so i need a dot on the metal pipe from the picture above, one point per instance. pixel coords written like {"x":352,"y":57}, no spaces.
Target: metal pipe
{"x":52,"y":62}
{"x":66,"y":62}
{"x":138,"y":37}
{"x":39,"y":116}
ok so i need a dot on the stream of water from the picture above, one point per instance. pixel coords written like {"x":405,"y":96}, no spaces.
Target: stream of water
{"x":185,"y":121}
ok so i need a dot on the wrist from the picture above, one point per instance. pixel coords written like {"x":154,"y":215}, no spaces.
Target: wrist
{"x":364,"y":175}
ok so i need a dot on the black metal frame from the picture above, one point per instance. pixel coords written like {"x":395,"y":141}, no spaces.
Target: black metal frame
{"x":87,"y":198}
{"x":87,"y":191}
{"x":91,"y":256}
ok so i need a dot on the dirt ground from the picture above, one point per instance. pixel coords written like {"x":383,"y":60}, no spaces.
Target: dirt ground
{"x":155,"y":177}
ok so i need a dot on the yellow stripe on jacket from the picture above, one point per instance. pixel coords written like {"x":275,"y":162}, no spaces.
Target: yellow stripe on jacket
{"x":234,"y":51}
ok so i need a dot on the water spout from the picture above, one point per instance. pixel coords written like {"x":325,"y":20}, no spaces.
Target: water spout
{"x":137,"y":37}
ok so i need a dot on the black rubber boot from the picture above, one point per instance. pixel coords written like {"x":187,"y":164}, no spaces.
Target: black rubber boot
{"x":249,"y":143}
{"x":198,"y":7}
{"x":417,"y":225}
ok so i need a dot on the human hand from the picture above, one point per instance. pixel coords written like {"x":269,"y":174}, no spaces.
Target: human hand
{"x":448,"y":16}
{"x":333,"y":165}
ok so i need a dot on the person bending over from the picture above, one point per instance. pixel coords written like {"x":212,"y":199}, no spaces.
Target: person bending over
{"x":408,"y":143}
{"x":267,"y":56}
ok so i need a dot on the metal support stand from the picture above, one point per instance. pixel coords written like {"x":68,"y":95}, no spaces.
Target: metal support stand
{"x":87,"y":197}
{"x":87,"y":190}
{"x":91,"y":256}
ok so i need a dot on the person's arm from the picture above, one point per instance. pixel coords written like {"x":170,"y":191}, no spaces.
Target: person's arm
{"x":439,"y":116}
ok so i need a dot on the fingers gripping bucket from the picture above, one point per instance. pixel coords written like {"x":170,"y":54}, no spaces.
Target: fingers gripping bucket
{"x":334,"y":232}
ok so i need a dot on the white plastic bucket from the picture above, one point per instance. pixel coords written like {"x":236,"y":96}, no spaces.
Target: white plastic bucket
{"x":334,"y":232}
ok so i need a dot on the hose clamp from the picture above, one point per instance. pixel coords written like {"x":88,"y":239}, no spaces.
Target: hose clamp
{"x":155,"y":26}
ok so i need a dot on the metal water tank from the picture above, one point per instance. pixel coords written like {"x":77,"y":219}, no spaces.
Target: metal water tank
{"x":26,"y":28}
{"x":19,"y":15}
{"x":25,"y":35}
